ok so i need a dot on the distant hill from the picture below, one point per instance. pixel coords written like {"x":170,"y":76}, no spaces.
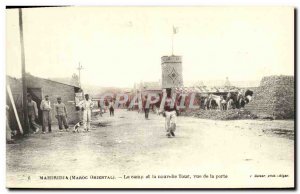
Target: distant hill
{"x":93,"y":90}
{"x":98,"y":91}
{"x":64,"y":80}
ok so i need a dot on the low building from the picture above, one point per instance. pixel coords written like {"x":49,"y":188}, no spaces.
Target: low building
{"x":38,"y":88}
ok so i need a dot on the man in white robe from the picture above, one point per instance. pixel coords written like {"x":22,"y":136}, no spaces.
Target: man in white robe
{"x":87,"y":106}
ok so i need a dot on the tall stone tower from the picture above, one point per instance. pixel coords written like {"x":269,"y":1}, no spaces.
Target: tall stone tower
{"x":171,"y":71}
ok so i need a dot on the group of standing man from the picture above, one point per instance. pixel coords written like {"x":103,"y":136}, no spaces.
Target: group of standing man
{"x":33,"y":113}
{"x":61,"y":113}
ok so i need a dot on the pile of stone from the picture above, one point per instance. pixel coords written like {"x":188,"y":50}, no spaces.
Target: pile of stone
{"x":233,"y":114}
{"x":274,"y":98}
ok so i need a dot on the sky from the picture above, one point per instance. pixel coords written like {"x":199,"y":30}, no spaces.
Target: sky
{"x":118,"y":46}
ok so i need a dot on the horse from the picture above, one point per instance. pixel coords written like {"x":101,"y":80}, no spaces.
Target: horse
{"x":244,"y":99}
{"x":248,"y":95}
{"x":212,"y":102}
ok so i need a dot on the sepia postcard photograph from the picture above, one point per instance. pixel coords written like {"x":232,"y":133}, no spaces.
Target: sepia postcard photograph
{"x":150,"y":97}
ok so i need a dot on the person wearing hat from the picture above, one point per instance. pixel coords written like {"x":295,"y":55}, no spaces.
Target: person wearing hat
{"x":61,"y":114}
{"x":87,"y":106}
{"x":46,"y":110}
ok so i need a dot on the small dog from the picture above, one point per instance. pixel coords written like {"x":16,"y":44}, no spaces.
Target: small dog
{"x":77,"y":126}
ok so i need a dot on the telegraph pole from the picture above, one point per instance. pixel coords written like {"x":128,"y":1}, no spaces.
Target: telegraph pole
{"x":79,"y":70}
{"x":24,"y":84}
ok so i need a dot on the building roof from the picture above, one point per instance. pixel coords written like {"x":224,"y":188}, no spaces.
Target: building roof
{"x":31,"y":76}
{"x":205,"y":89}
{"x":52,"y":81}
{"x":149,"y":86}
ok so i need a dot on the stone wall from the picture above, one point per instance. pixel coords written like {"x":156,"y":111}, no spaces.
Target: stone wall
{"x":274,"y":98}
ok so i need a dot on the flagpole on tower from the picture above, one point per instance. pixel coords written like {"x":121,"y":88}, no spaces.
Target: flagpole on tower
{"x":174,"y":32}
{"x":173,"y":42}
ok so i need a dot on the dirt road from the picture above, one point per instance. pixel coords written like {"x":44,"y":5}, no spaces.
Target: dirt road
{"x":129,"y":145}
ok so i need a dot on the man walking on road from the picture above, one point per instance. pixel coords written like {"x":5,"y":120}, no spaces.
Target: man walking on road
{"x":61,"y":114}
{"x":46,"y":109}
{"x":32,"y":114}
{"x":170,"y":114}
{"x":100,"y":107}
{"x":111,"y":108}
{"x":146,"y":108}
{"x":87,"y":106}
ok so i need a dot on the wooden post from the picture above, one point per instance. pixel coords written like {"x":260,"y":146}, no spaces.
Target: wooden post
{"x":24,"y":85}
{"x":172,"y":44}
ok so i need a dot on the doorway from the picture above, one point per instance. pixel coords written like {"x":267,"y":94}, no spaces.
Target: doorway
{"x":36,"y":94}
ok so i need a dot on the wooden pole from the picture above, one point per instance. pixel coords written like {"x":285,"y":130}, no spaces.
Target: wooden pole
{"x":24,"y":85}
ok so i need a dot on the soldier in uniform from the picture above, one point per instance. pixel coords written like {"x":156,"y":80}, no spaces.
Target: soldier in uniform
{"x":46,"y":109}
{"x":61,"y":115}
